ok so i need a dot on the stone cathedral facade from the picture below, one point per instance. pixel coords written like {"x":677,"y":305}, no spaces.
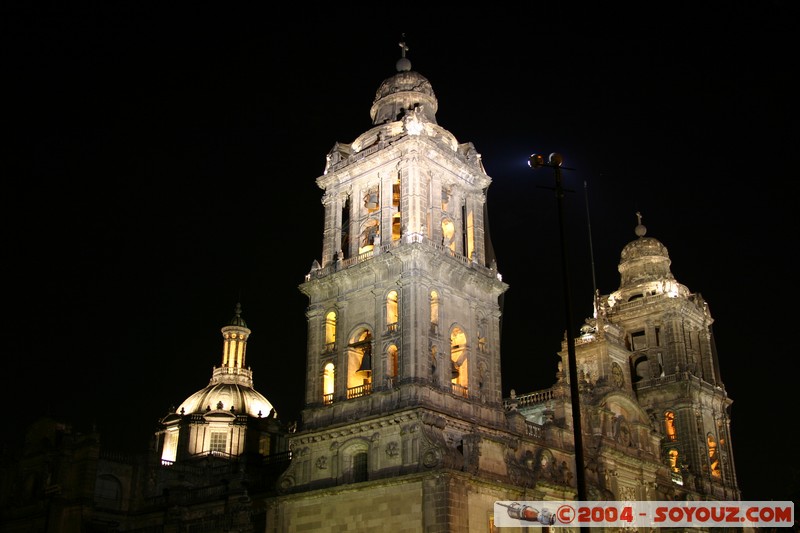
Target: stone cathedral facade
{"x":405,"y":428}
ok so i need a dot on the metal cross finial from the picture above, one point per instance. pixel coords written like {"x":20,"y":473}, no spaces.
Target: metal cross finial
{"x":639,"y":217}
{"x":403,"y":46}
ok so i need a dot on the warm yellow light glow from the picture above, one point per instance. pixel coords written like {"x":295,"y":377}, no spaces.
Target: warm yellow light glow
{"x":359,"y":348}
{"x":396,"y":193}
{"x":330,"y":328}
{"x":231,"y":353}
{"x":448,"y":234}
{"x":713,"y":457}
{"x":470,"y":235}
{"x":458,"y":356}
{"x":170,"y":450}
{"x":673,"y":460}
{"x":240,"y":355}
{"x":391,"y":308}
{"x":393,"y":363}
{"x":434,"y":308}
{"x":396,"y":227}
{"x":669,"y":426}
{"x":328,"y":379}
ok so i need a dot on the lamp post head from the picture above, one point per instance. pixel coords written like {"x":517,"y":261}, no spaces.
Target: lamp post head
{"x":537,"y":160}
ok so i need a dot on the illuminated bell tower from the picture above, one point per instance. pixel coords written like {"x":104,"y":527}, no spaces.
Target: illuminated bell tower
{"x":674,"y":367}
{"x":403,"y":354}
{"x":650,"y":382}
{"x":405,"y":298}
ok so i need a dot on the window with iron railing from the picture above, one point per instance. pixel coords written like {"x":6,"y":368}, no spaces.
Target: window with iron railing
{"x":328,"y":380}
{"x":361,"y":390}
{"x":459,"y":390}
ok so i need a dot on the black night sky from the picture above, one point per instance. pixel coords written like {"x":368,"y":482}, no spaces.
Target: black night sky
{"x":160,"y":167}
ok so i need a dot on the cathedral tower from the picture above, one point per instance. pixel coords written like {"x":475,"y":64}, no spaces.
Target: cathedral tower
{"x":405,"y":299}
{"x":662,"y":334}
{"x":656,"y":417}
{"x":404,"y":425}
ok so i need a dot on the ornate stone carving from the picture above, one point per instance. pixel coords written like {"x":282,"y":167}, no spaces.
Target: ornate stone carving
{"x":546,"y":465}
{"x":431,"y":458}
{"x":392,"y":449}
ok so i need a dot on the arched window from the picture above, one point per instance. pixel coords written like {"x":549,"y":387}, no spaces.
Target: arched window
{"x":392,"y":363}
{"x":713,"y":456}
{"x":392,"y":311}
{"x":344,"y":244}
{"x":459,"y":376}
{"x":330,"y":331}
{"x":369,"y":232}
{"x":372,"y":200}
{"x":669,"y":426}
{"x":360,"y":467}
{"x":641,"y":368}
{"x":328,"y":376}
{"x":672,"y":455}
{"x":170,"y":450}
{"x":354,"y":461}
{"x":108,"y":491}
{"x":359,"y":364}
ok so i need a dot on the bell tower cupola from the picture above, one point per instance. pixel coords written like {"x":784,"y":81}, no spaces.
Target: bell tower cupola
{"x":405,"y":92}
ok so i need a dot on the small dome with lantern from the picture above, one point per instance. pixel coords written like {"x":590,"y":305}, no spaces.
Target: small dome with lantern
{"x":226,"y":417}
{"x":404,"y":92}
{"x":231,"y":385}
{"x":644,"y":268}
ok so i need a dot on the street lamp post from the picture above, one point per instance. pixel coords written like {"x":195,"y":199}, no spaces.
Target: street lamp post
{"x":554,"y":162}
